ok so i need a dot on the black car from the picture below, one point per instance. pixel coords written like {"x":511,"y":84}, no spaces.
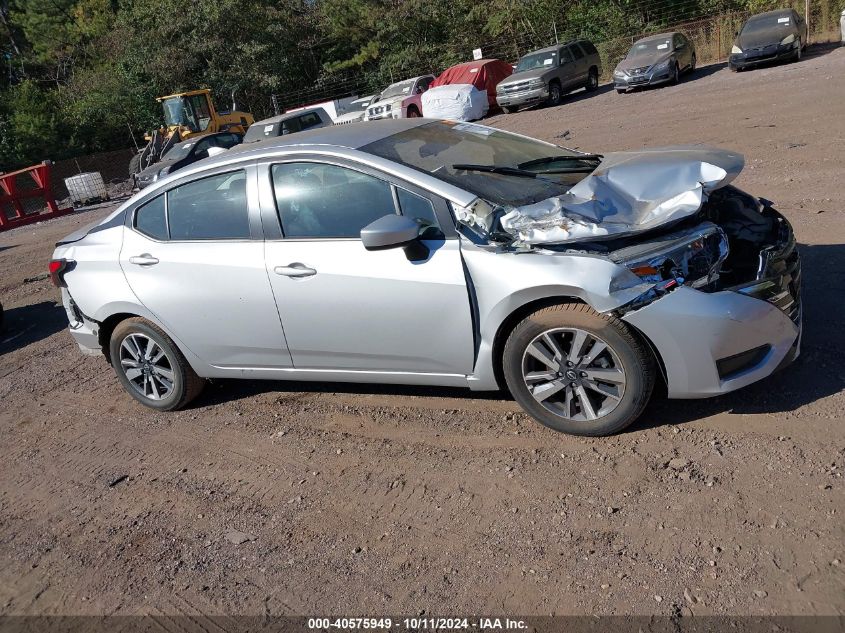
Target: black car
{"x":769,"y":37}
{"x":185,"y":153}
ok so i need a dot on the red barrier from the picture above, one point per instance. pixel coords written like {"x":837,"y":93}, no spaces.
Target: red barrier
{"x":26,"y":196}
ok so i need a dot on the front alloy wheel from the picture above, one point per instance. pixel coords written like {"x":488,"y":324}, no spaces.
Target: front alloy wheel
{"x":573,"y":374}
{"x":578,"y":371}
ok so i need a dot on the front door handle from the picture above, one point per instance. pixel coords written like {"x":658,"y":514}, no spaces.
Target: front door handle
{"x":143,"y":260}
{"x":294,"y":270}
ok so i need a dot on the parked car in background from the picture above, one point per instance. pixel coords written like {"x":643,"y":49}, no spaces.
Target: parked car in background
{"x":769,"y":37}
{"x":357,"y":111}
{"x":653,"y":60}
{"x":287,"y":123}
{"x":400,"y":100}
{"x":185,"y":153}
{"x":465,"y":92}
{"x":544,"y":76}
{"x":458,"y":255}
{"x":334,"y":107}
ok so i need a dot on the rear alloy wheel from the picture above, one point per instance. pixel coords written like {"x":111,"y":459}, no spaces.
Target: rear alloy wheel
{"x":150,"y":366}
{"x":555,"y":94}
{"x":592,"y":80}
{"x":578,"y":371}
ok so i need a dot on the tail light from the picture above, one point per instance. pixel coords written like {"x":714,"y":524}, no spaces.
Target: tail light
{"x":58,"y":268}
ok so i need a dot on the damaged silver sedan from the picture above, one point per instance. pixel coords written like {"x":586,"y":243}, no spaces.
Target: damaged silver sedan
{"x":435,"y":253}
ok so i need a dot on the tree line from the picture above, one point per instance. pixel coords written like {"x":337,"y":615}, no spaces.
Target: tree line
{"x":81,"y":76}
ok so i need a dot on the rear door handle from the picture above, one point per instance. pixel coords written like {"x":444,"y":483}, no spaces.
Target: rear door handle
{"x":143,"y":260}
{"x":294,"y":270}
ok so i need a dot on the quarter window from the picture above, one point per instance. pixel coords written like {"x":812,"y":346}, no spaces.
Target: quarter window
{"x":319,"y":200}
{"x":150,"y":219}
{"x":212,"y":208}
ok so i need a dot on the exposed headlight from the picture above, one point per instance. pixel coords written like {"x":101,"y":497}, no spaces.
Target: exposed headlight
{"x":789,"y":39}
{"x":736,"y":50}
{"x":661,"y":65}
{"x":692,"y":258}
{"x":618,"y":73}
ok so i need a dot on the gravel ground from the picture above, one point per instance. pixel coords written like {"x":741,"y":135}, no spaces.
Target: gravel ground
{"x":285,"y":498}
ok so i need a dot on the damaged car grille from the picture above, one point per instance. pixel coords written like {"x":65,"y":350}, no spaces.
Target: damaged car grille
{"x":779,"y":275}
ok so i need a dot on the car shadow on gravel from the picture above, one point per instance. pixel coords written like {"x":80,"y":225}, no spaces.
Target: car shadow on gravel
{"x":816,"y":374}
{"x":29,"y":324}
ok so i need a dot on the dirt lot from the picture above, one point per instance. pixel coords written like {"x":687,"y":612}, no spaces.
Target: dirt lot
{"x":361,"y":500}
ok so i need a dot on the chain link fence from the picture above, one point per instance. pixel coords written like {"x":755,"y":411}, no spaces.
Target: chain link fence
{"x":712,"y":36}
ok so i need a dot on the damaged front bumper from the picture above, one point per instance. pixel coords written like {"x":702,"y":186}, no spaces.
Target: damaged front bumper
{"x":717,"y":342}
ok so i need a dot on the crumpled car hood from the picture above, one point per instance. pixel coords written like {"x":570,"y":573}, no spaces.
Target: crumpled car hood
{"x":628,"y":193}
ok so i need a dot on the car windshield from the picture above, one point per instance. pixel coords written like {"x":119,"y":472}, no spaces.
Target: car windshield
{"x":650,"y":47}
{"x":179,"y":151}
{"x":763,"y":23}
{"x":537,"y":60}
{"x":445,"y":149}
{"x":397,"y":89}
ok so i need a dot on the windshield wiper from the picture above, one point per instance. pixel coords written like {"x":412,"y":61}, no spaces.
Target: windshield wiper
{"x":593,"y":158}
{"x":496,"y":169}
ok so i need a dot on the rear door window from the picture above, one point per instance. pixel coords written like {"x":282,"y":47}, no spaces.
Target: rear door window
{"x":212,"y":208}
{"x":576,"y":51}
{"x":566,"y":55}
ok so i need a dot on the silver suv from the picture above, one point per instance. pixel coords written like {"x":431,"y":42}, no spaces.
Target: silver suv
{"x":425,"y":252}
{"x":549,"y":73}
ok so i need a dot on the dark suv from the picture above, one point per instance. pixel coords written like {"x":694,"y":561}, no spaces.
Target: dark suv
{"x":549,"y":73}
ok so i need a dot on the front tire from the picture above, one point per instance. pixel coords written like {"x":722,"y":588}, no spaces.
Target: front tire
{"x":413,"y":113}
{"x":578,"y":371}
{"x":509,"y":109}
{"x":798,"y":52}
{"x":555,"y":94}
{"x":150,"y":366}
{"x":676,"y":77}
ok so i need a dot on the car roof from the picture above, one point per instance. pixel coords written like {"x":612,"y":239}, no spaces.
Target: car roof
{"x":550,"y":49}
{"x":287,"y":115}
{"x":349,"y":136}
{"x":766,"y":14}
{"x":658,"y":36}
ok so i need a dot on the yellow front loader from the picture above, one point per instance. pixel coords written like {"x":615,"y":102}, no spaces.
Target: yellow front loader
{"x":187,"y":114}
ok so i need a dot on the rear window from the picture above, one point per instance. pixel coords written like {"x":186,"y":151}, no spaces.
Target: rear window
{"x":589,"y":48}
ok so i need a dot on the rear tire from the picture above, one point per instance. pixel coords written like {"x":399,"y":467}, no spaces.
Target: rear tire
{"x":592,"y":80}
{"x":150,"y":366}
{"x":135,"y":164}
{"x":596,"y":377}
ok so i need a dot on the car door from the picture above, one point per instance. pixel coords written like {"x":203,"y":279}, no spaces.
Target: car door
{"x":194,"y":256}
{"x":346,"y":308}
{"x":682,"y":51}
{"x":568,"y":68}
{"x":579,"y":66}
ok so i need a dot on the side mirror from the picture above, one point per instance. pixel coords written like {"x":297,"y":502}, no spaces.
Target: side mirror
{"x":394,"y":231}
